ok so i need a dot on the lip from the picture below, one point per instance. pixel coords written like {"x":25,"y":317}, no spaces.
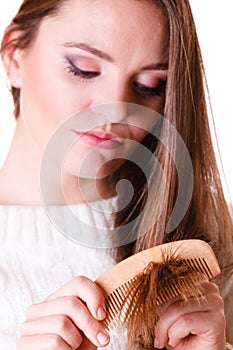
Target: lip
{"x":100,"y":139}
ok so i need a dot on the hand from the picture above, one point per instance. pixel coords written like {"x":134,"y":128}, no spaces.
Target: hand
{"x":194,"y":325}
{"x":67,"y":319}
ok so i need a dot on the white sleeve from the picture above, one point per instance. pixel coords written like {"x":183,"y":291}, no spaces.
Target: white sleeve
{"x":229,"y":346}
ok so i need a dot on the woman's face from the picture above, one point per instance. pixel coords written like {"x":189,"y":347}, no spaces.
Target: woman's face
{"x":95,"y":53}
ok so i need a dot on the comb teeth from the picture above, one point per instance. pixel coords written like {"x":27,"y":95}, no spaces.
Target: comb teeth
{"x":114,"y":302}
{"x":120,"y":302}
{"x":183,"y":287}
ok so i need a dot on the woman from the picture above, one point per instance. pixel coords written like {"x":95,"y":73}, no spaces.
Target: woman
{"x":65,"y":57}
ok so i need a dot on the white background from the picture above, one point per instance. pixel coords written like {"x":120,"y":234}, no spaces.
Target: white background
{"x":215,"y":28}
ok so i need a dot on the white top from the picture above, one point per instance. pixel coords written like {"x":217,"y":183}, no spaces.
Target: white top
{"x":36,"y":259}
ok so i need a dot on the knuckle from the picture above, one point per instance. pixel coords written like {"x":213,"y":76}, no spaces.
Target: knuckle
{"x":80,"y":280}
{"x":91,"y":324}
{"x":220,"y":302}
{"x":214,"y":287}
{"x":172,"y":334}
{"x":161,"y":325}
{"x":176,"y":306}
{"x":54,"y":342}
{"x":210,"y":287}
{"x":63,"y":323}
{"x":73,"y":302}
{"x":187,"y":321}
{"x":99,"y":297}
{"x":77,"y":340}
{"x":217,"y":302}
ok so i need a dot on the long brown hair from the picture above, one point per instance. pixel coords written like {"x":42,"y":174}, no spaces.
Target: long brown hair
{"x":208,"y":215}
{"x":185,"y":108}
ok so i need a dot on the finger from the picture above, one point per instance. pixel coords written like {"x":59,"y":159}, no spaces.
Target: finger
{"x":206,"y":289}
{"x":77,"y":312}
{"x":45,"y":342}
{"x":59,"y":324}
{"x":87,"y":345}
{"x":172,"y":311}
{"x":86,"y":290}
{"x":208,"y":329}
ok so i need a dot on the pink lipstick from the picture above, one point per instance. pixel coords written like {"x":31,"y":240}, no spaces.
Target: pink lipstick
{"x":100,"y":139}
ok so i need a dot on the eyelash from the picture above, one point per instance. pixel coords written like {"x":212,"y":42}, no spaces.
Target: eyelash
{"x":82,"y":75}
{"x":142,"y":90}
{"x":148,"y":92}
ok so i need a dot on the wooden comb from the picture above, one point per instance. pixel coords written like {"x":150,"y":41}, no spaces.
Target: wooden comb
{"x":136,"y":287}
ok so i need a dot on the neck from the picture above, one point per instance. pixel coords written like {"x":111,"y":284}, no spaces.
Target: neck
{"x":20,"y":182}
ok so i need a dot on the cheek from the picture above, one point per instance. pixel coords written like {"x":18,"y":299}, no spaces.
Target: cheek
{"x":138,"y":134}
{"x":42,"y":92}
{"x":157,"y":106}
{"x":47,"y":97}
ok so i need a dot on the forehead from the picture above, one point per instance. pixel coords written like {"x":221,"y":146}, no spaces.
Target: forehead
{"x":118,"y":25}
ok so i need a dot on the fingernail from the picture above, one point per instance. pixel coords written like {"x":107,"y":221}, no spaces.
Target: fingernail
{"x":103,"y":338}
{"x":101,"y":313}
{"x":156,"y":343}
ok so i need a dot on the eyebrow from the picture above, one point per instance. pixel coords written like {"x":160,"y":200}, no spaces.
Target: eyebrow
{"x":106,"y":57}
{"x":90,"y":49}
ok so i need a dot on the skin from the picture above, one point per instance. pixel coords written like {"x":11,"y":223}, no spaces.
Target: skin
{"x":45,"y":73}
{"x":69,"y":318}
{"x":66,"y":317}
{"x":193,"y":325}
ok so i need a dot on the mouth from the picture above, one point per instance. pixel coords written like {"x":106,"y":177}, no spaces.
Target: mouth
{"x":100,"y":139}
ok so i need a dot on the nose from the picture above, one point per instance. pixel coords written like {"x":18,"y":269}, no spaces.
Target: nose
{"x":112,"y":103}
{"x":115,"y":112}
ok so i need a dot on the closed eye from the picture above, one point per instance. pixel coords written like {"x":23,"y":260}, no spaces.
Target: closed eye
{"x":146,"y":91}
{"x":79,"y":73}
